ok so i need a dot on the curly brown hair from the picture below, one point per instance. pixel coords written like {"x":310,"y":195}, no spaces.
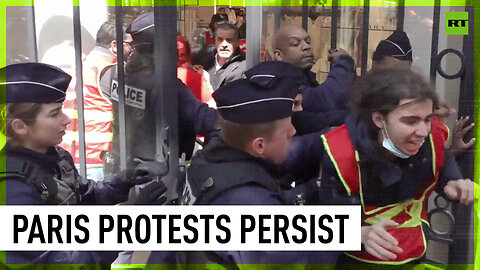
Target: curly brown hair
{"x":381,"y":91}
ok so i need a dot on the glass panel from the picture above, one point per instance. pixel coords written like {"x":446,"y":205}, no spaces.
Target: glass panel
{"x":319,"y":28}
{"x":109,"y":89}
{"x":418,"y":26}
{"x":319,"y":22}
{"x":349,"y":32}
{"x":20,"y":47}
{"x":382,"y":23}
{"x":55,"y":36}
{"x":56,"y":47}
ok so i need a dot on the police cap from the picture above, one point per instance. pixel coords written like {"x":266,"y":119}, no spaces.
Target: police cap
{"x":263,"y":97}
{"x":278,"y":69}
{"x":33,"y":83}
{"x":397,"y":45}
{"x":142,"y":29}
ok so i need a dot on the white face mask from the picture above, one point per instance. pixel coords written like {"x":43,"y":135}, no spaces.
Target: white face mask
{"x":390,"y":146}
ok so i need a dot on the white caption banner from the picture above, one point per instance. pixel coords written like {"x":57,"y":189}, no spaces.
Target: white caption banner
{"x":180,"y":228}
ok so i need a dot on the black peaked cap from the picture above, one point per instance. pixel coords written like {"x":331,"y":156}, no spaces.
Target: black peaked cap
{"x":33,"y":83}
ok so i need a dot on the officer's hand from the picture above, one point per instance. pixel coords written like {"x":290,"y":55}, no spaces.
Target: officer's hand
{"x":146,"y":171}
{"x":334,"y":54}
{"x":459,"y":131}
{"x":150,"y":193}
{"x":462,"y":190}
{"x":378,"y":242}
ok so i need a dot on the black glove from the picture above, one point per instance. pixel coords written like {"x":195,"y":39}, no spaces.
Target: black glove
{"x":150,"y":193}
{"x":145,"y":171}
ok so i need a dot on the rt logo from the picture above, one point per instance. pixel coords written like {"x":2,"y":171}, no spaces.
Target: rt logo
{"x":456,"y":23}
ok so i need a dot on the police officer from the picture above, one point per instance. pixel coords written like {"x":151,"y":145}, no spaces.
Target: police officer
{"x":240,"y":168}
{"x":39,"y":172}
{"x":323,"y":104}
{"x":307,"y":190}
{"x":393,"y":52}
{"x":195,"y":117}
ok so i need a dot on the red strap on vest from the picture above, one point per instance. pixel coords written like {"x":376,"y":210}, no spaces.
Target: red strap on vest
{"x":342,"y":150}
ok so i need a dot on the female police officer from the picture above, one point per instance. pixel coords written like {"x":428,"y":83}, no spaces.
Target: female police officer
{"x":388,"y":157}
{"x":39,"y":172}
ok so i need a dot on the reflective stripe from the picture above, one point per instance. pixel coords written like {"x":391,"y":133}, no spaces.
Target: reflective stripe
{"x":448,"y":133}
{"x":254,"y":101}
{"x":71,"y":113}
{"x":3,"y":140}
{"x":416,"y":205}
{"x":329,"y":152}
{"x":434,"y":156}
{"x":70,"y":96}
{"x":97,"y":110}
{"x":70,"y":136}
{"x":97,"y":137}
{"x":98,"y":116}
{"x":34,"y":83}
{"x":409,"y":214}
{"x":90,"y":137}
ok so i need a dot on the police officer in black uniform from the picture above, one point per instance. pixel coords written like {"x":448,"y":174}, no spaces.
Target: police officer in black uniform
{"x":240,"y":169}
{"x":195,"y":117}
{"x":38,"y":172}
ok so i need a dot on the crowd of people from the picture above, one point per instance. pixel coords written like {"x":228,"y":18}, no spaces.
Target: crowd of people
{"x":273,"y":133}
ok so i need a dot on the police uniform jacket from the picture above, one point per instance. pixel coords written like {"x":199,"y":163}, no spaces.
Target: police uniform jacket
{"x":194,"y":117}
{"x":64,"y":185}
{"x":334,"y":92}
{"x":324,"y":105}
{"x":223,"y":175}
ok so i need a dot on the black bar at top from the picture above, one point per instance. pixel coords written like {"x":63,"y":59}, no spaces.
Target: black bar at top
{"x":435,"y":31}
{"x":365,"y":23}
{"x":400,"y":14}
{"x":334,"y":25}
{"x":77,"y":41}
{"x":305,"y":15}
{"x":278,"y":19}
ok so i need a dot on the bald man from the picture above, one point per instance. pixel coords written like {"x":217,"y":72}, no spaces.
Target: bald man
{"x":292,"y":44}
